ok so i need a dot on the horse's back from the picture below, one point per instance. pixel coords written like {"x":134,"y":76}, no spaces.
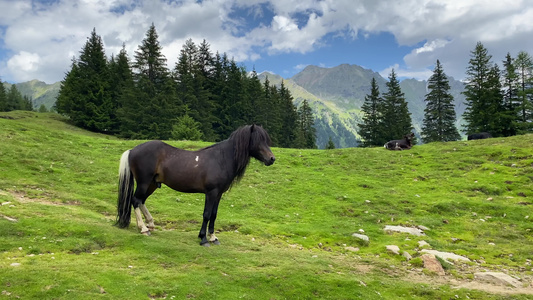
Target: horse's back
{"x":146,"y":156}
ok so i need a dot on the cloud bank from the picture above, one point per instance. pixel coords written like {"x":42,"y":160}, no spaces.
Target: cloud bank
{"x":40,"y":38}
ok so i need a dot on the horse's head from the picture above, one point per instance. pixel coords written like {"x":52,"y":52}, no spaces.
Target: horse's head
{"x":409,"y":138}
{"x":260,"y":145}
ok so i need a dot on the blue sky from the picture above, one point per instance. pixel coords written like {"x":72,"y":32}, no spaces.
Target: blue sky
{"x":39,"y":38}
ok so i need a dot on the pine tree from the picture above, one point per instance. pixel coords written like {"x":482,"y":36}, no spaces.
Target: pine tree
{"x":85,"y":92}
{"x":257,"y":98}
{"x":396,"y":119}
{"x":524,"y":67}
{"x":289,"y":116}
{"x":152,"y":104}
{"x":477,"y":91}
{"x":510,"y":96}
{"x":193,"y":73}
{"x":439,"y":114}
{"x":27,"y":103}
{"x":121,"y":79}
{"x":306,"y":132}
{"x":330,"y":144}
{"x":14,"y":99}
{"x":498,"y":117}
{"x":186,"y":128}
{"x":370,"y":127}
{"x":3,"y":97}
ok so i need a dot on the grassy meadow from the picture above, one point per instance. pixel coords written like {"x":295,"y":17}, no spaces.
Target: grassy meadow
{"x":285,"y":230}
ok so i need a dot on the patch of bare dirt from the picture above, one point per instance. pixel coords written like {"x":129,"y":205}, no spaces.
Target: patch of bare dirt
{"x":21,"y":197}
{"x":419,"y":277}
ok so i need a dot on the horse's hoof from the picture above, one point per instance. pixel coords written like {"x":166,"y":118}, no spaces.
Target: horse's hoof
{"x":216,"y":242}
{"x":147,"y":233}
{"x":206,"y":244}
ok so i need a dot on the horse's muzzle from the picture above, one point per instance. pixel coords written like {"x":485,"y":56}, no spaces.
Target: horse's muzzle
{"x":270,"y":161}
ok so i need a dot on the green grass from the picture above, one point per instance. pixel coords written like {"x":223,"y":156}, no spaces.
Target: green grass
{"x":283,"y":228}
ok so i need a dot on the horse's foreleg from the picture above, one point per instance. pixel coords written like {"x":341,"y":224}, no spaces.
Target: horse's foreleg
{"x":212,"y":238}
{"x":140,"y":224}
{"x":210,"y":200}
{"x":147,"y":217}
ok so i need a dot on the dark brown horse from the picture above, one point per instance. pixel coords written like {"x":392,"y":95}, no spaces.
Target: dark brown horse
{"x":211,"y":170}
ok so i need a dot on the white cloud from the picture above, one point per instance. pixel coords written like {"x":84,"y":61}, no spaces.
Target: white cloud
{"x":53,"y":31}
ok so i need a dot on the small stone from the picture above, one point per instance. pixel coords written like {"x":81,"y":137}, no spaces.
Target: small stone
{"x":432,"y":264}
{"x":407,"y":255}
{"x":497,"y":278}
{"x":394,"y":249}
{"x":15,"y":264}
{"x":410,"y":230}
{"x":361,"y":231}
{"x":445,"y":255}
{"x":361,"y":237}
{"x":422,"y":244}
{"x":352,"y":249}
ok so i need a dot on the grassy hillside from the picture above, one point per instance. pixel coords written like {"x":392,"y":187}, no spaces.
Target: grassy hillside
{"x":285,"y":229}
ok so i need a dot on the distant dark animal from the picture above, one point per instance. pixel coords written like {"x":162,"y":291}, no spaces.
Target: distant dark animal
{"x":404,"y":144}
{"x":479,"y":136}
{"x":211,"y":170}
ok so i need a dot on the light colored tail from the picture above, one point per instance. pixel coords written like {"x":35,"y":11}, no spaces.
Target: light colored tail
{"x":125,"y":191}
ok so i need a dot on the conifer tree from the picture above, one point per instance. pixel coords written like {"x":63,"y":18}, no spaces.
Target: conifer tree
{"x":121,"y":79}
{"x":186,"y":128}
{"x":3,"y":97}
{"x":152,"y":104}
{"x":370,"y":127}
{"x":84,"y":95}
{"x":306,"y":132}
{"x":27,"y":103}
{"x":269,"y":111}
{"x":524,"y":67}
{"x":256,"y":97}
{"x":14,"y":99}
{"x":396,"y":119}
{"x":477,"y":91}
{"x":510,"y":96}
{"x":193,"y":73}
{"x":289,"y":116}
{"x":330,"y":144}
{"x":439,"y":114}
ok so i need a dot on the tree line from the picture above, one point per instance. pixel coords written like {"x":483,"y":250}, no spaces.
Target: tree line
{"x":498,"y":102}
{"x":205,"y":96}
{"x":12,"y":99}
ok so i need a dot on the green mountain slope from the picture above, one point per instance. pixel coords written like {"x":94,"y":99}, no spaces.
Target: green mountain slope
{"x":331,"y":121}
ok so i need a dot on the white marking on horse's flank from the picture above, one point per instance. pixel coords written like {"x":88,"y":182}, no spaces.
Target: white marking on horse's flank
{"x":196,"y":158}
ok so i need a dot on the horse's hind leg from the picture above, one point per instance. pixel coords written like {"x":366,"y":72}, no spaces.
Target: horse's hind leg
{"x":141,"y":193}
{"x":147,"y":217}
